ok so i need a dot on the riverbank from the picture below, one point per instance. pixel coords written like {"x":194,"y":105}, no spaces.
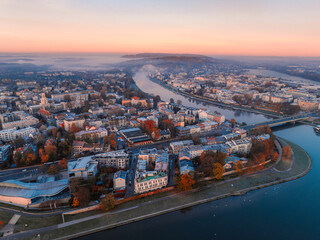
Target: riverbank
{"x":216,"y":103}
{"x":178,"y":201}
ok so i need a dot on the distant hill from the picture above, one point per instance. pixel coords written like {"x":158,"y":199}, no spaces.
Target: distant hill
{"x":192,"y":58}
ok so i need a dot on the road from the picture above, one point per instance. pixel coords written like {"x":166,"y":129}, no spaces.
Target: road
{"x":19,"y":173}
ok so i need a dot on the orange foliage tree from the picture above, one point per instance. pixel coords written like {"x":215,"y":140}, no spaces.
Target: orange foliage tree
{"x":218,"y":170}
{"x":75,"y":202}
{"x":275,"y":156}
{"x":43,"y":156}
{"x":28,"y":159}
{"x":63,"y":164}
{"x":286,"y":152}
{"x":51,"y":151}
{"x":239,"y":166}
{"x":149,"y":126}
{"x":186,"y":182}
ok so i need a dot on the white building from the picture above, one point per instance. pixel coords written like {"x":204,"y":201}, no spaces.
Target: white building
{"x":79,"y":123}
{"x":8,"y":135}
{"x":18,"y":119}
{"x":149,"y":180}
{"x":119,"y":180}
{"x":115,"y":159}
{"x":176,"y":146}
{"x":83,"y":168}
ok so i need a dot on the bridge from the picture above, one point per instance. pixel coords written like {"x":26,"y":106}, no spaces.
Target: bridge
{"x":280,"y":121}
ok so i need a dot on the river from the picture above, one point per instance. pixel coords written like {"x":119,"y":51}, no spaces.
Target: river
{"x":144,"y":83}
{"x":289,"y":210}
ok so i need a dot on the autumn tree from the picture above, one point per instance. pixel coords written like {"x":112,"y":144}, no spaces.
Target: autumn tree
{"x":74,"y":128}
{"x":28,"y":159}
{"x":17,"y":158}
{"x":259,"y":159}
{"x":43,"y":156}
{"x":218,"y":170}
{"x":207,"y":161}
{"x":54,"y":132}
{"x":286,"y":152}
{"x":275,"y":156}
{"x":83,"y":195}
{"x":75,"y":202}
{"x":63,"y":149}
{"x":239,"y":166}
{"x":232,"y":121}
{"x":51,"y":151}
{"x":52,"y":169}
{"x":186,"y":182}
{"x":63,"y":164}
{"x":149,"y":125}
{"x":108,"y":203}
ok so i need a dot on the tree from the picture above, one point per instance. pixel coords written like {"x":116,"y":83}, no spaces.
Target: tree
{"x":52,"y":169}
{"x":171,"y":100}
{"x":54,"y":132}
{"x":75,"y":202}
{"x":239,"y":166}
{"x":232,"y":121}
{"x":28,"y":159}
{"x":43,"y":156}
{"x":275,"y":156}
{"x":186,"y":182}
{"x":83,"y":195}
{"x":207,"y":161}
{"x":196,"y":140}
{"x":286,"y":152}
{"x":220,"y":157}
{"x":179,"y":102}
{"x":108,"y":203}
{"x":74,"y":128}
{"x":149,"y":126}
{"x":113,"y":144}
{"x":51,"y":151}
{"x":218,"y":171}
{"x":17,"y":158}
{"x":63,"y":164}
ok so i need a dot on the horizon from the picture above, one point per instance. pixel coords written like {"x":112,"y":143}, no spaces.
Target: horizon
{"x":173,"y":53}
{"x":230,"y":28}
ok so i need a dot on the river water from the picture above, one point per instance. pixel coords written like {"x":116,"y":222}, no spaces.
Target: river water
{"x":286,"y":211}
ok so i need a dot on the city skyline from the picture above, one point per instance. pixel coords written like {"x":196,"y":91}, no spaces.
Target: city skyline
{"x":273,"y":28}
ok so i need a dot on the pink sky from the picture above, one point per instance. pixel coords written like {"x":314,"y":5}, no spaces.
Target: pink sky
{"x":231,"y":27}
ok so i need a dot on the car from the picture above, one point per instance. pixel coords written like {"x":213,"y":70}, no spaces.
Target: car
{"x":24,"y":170}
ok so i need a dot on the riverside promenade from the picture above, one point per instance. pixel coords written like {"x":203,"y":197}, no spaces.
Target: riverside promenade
{"x":136,"y":210}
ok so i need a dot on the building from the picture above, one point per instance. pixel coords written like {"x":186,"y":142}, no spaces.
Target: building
{"x":212,"y":116}
{"x":98,"y":133}
{"x":195,"y":151}
{"x":135,"y":137}
{"x":83,"y":168}
{"x":149,"y":180}
{"x":77,"y":146}
{"x":23,"y":194}
{"x":12,"y":134}
{"x":119,"y":180}
{"x":5,"y":152}
{"x":115,"y":159}
{"x":18,"y":119}
{"x":176,"y":146}
{"x":79,"y":123}
{"x":74,"y":96}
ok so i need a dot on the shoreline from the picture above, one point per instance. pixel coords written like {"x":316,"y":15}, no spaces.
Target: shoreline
{"x":216,"y":103}
{"x":302,"y":157}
